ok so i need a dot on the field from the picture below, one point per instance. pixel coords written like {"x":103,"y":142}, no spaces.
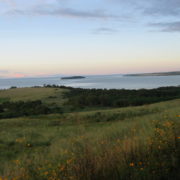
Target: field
{"x":47,"y":95}
{"x":141,"y":142}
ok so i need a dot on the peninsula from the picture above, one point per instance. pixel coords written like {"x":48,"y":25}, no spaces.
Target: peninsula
{"x":174,"y":73}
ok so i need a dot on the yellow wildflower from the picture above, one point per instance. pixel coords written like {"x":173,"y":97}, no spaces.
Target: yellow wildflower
{"x":17,"y":162}
{"x":69,"y":161}
{"x":62,"y":168}
{"x":131,"y":164}
{"x":168,"y":124}
{"x":46,"y":173}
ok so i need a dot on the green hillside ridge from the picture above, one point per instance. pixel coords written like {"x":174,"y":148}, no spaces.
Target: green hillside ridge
{"x":46,"y":95}
{"x":97,"y":143}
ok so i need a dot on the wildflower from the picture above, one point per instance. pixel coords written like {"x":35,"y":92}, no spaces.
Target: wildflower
{"x":159,"y":131}
{"x":102,"y":142}
{"x":178,"y":116}
{"x":46,"y":173}
{"x":150,"y":142}
{"x":168,"y":124}
{"x":20,"y":140}
{"x":69,"y":161}
{"x":29,"y":145}
{"x":17,"y":162}
{"x":62,"y":168}
{"x":178,"y":137}
{"x":140,"y":163}
{"x":131,"y":164}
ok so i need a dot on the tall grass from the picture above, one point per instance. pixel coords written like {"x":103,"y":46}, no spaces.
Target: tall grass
{"x":136,"y":143}
{"x":46,"y":95}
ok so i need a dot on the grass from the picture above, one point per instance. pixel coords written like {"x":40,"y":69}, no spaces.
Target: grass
{"x":47,"y":95}
{"x":122,"y":143}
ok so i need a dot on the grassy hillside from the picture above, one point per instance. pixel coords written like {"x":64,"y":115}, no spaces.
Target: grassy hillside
{"x":47,"y":95}
{"x":140,"y":142}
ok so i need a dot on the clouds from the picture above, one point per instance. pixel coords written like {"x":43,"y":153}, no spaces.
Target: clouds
{"x":164,"y":11}
{"x":163,"y":8}
{"x":142,"y":11}
{"x":167,"y":12}
{"x":73,"y":13}
{"x":167,"y":27}
{"x":9,"y":2}
{"x":60,"y":8}
{"x":13,"y":74}
{"x":104,"y":30}
{"x":150,"y":7}
{"x":63,"y":12}
{"x":153,"y":7}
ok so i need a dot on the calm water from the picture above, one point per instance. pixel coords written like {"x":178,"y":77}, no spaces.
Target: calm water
{"x":108,"y":82}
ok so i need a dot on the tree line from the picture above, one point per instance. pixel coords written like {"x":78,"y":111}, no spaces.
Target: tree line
{"x":21,"y":108}
{"x":79,"y":97}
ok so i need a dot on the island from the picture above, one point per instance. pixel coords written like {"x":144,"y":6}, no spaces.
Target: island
{"x":73,"y":77}
{"x":174,"y":73}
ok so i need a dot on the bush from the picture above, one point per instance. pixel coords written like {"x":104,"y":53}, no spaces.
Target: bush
{"x":78,"y":97}
{"x":20,"y":108}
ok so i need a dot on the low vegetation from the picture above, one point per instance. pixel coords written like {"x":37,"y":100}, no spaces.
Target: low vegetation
{"x":21,"y":108}
{"x":141,"y":142}
{"x":78,"y":97}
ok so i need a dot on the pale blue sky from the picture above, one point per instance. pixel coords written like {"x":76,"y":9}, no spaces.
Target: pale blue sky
{"x":46,"y":37}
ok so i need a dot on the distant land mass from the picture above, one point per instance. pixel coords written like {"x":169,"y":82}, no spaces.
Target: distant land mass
{"x":174,"y":73}
{"x":74,"y":77}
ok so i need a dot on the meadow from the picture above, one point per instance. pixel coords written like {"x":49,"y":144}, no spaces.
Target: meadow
{"x":95,"y":143}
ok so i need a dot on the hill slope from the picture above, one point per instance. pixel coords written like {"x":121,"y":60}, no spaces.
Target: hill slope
{"x":135,"y":142}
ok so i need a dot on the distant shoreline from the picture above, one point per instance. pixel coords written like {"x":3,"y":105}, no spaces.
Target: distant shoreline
{"x":97,"y":82}
{"x":175,"y":73}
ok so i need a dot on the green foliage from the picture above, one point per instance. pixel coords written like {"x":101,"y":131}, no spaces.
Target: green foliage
{"x":79,"y":98}
{"x":13,"y":87}
{"x":131,"y":143}
{"x":33,"y":94}
{"x":20,"y":108}
{"x":137,"y":143}
{"x":2,"y":100}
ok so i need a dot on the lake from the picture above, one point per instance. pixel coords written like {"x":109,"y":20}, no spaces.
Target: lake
{"x":100,"y":82}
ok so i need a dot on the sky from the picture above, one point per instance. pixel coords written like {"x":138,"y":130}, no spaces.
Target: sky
{"x":79,"y":37}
